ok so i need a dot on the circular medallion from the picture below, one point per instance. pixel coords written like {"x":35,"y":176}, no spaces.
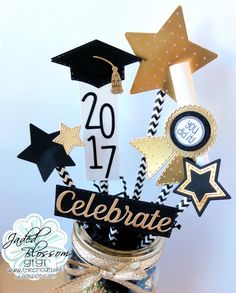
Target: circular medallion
{"x":191,"y":130}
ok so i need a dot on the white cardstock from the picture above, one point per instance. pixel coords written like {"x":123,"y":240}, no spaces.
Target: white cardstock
{"x":189,"y":131}
{"x":99,"y":111}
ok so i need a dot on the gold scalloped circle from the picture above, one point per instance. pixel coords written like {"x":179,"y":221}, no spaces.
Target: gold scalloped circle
{"x":204,"y":112}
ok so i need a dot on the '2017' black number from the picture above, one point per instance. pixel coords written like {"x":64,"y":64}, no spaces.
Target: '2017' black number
{"x":107,"y":133}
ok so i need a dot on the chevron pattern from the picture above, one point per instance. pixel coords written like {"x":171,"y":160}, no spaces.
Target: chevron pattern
{"x":124,"y":185}
{"x":161,"y":199}
{"x":113,"y":232}
{"x":154,"y":122}
{"x":182,"y":205}
{"x":140,"y":179}
{"x":156,"y":113}
{"x":65,"y":176}
{"x":147,"y":240}
{"x":164,"y":193}
{"x":104,"y":186}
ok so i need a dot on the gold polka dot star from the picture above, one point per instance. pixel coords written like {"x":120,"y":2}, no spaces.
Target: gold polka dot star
{"x":160,"y":50}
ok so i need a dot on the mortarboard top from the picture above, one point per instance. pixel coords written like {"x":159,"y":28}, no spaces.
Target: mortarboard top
{"x":86,"y":68}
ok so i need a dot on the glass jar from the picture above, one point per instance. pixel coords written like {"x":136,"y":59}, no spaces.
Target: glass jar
{"x":124,"y":266}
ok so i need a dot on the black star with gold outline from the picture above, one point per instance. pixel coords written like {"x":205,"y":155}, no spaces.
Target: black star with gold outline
{"x":45,"y":153}
{"x":201,"y":184}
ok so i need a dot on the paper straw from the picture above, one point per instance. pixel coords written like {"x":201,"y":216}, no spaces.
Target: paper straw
{"x":113,"y":232}
{"x":104,"y":185}
{"x":164,"y":193}
{"x":65,"y":176}
{"x":147,"y":239}
{"x":124,"y":186}
{"x":154,"y":122}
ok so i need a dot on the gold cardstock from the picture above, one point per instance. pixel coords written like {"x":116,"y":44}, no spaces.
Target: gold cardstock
{"x":159,"y":150}
{"x":211,"y":190}
{"x":160,"y":50}
{"x":109,"y":210}
{"x":209,"y":118}
{"x":69,"y":138}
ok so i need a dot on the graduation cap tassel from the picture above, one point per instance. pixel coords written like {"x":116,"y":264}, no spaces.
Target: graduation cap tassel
{"x":116,"y":85}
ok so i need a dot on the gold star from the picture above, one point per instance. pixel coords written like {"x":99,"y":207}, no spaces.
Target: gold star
{"x":155,"y":150}
{"x":160,"y":50}
{"x":201,"y":184}
{"x":69,"y":137}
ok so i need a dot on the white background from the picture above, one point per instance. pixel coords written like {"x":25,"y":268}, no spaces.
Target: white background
{"x":201,"y":256}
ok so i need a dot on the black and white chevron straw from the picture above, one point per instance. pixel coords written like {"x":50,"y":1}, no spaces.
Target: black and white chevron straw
{"x":104,"y":185}
{"x":164,"y":193}
{"x":182,"y":205}
{"x":113,"y":232}
{"x":156,"y":114}
{"x":65,"y":176}
{"x":147,"y":239}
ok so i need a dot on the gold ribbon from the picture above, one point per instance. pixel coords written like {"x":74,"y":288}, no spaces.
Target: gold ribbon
{"x":89,"y":274}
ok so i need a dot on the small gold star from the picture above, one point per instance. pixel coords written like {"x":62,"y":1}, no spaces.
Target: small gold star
{"x":160,"y":50}
{"x":69,"y":138}
{"x":201,"y":184}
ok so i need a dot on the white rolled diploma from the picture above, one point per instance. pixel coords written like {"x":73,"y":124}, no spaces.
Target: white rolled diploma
{"x":182,"y":81}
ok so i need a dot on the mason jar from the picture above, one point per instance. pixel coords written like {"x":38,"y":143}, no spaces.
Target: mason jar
{"x":118,"y":271}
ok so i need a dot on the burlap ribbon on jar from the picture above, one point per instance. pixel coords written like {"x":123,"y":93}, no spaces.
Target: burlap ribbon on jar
{"x":87,"y":274}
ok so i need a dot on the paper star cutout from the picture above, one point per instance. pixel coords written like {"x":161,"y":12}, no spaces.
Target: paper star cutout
{"x":69,"y":138}
{"x":201,"y":184}
{"x":45,"y":153}
{"x":160,"y":50}
{"x":155,"y":150}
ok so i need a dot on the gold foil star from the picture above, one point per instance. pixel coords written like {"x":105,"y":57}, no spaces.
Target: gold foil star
{"x":69,"y":138}
{"x":201,"y":184}
{"x":160,"y":50}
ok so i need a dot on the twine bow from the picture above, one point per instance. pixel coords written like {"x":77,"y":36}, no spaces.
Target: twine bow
{"x":88,"y":274}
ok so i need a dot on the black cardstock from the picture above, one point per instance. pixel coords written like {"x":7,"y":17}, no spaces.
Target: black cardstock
{"x":96,"y":72}
{"x":45,"y":153}
{"x":200,"y":185}
{"x":206,"y":126}
{"x":160,"y":221}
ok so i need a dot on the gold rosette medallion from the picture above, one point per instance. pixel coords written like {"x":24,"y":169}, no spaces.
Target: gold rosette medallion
{"x":189,"y":132}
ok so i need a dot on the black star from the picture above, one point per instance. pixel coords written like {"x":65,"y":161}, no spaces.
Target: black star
{"x":204,"y":185}
{"x":201,"y":184}
{"x":45,"y":153}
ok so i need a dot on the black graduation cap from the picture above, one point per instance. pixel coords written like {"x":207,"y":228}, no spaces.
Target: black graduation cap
{"x":94,"y":62}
